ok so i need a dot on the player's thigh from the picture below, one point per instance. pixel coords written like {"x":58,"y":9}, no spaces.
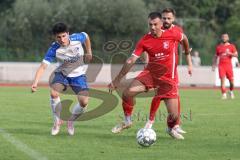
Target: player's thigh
{"x":172,"y":105}
{"x":57,"y":87}
{"x":229,"y":74}
{"x":83,"y":97}
{"x":59,"y":82}
{"x":78,"y":84}
{"x":134,"y":88}
{"x":222,"y":72}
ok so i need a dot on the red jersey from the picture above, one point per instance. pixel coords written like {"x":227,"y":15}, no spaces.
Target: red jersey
{"x":161,"y":52}
{"x":179,"y":28}
{"x":221,"y":52}
{"x":175,"y":28}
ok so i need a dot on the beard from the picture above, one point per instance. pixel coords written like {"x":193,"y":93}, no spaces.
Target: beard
{"x":167,"y":25}
{"x":153,"y":32}
{"x":225,"y":41}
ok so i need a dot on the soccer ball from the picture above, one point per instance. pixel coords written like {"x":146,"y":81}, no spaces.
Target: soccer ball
{"x":146,"y":137}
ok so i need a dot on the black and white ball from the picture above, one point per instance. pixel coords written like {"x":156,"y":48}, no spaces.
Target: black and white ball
{"x":146,"y":137}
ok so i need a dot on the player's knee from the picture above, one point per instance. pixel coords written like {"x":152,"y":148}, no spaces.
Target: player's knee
{"x":129,"y":92}
{"x":57,"y":87}
{"x":84,"y":102}
{"x":54,"y":94}
{"x":124,"y":97}
{"x":126,"y":93}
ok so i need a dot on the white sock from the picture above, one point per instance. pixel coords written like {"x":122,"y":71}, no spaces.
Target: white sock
{"x":77,"y":111}
{"x":56,"y":108}
{"x":149,"y":124}
{"x":128,"y":119}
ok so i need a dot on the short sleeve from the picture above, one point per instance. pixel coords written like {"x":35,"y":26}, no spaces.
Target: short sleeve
{"x":178,"y":36}
{"x":50,"y":55}
{"x":233,"y":48}
{"x":178,"y":28}
{"x":139,"y":49}
{"x":79,"y":37}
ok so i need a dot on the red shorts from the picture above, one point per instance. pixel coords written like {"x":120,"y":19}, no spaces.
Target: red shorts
{"x":225,"y":71}
{"x":166,"y":87}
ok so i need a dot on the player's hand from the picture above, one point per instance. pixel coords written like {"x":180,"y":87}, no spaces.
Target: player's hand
{"x":113,"y":85}
{"x":34,"y":88}
{"x":190,"y":70}
{"x":213,"y":68}
{"x":238,"y":65}
{"x":88,"y":58}
{"x":228,"y":53}
{"x":189,"y":51}
{"x":224,"y":54}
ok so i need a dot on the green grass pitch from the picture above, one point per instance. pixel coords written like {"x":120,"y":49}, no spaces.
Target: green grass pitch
{"x":213,"y":127}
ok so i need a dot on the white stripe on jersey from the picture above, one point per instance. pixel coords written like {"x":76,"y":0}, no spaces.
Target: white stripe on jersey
{"x":174,"y":61}
{"x":135,"y":55}
{"x":182,"y":37}
{"x":46,"y":62}
{"x":85,"y":34}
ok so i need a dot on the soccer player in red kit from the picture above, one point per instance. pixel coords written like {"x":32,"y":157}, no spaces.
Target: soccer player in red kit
{"x":168,"y":17}
{"x":225,"y":51}
{"x":159,"y":74}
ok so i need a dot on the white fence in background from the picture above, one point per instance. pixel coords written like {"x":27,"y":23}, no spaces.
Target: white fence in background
{"x":19,"y":73}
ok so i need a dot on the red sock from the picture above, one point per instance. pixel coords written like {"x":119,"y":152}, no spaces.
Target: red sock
{"x":231,"y":84}
{"x":127,"y":104}
{"x":154,"y":107}
{"x":179,"y":111}
{"x":171,"y":121}
{"x":223,"y":89}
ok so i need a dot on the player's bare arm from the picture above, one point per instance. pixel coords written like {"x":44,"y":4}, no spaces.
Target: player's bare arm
{"x":144,"y":58}
{"x":125,"y":69}
{"x":234,"y":54}
{"x":38,"y":75}
{"x":187,"y":50}
{"x":88,"y":55}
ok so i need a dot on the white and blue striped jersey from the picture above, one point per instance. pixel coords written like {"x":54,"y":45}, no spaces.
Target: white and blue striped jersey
{"x":69,"y":57}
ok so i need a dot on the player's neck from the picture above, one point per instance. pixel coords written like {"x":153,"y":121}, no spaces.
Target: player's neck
{"x":164,"y":28}
{"x":158,"y":34}
{"x":67,"y":44}
{"x":225,"y":43}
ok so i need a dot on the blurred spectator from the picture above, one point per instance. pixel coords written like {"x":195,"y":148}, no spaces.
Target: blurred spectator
{"x":196,"y":60}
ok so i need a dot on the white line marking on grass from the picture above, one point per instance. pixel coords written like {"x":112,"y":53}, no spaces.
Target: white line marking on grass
{"x":21,"y":146}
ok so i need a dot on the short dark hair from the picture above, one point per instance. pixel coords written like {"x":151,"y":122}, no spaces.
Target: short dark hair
{"x":169,"y":10}
{"x":59,"y":28}
{"x":154,"y":15}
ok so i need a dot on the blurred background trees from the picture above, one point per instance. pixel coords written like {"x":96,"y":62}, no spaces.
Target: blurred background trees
{"x":26,"y":24}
